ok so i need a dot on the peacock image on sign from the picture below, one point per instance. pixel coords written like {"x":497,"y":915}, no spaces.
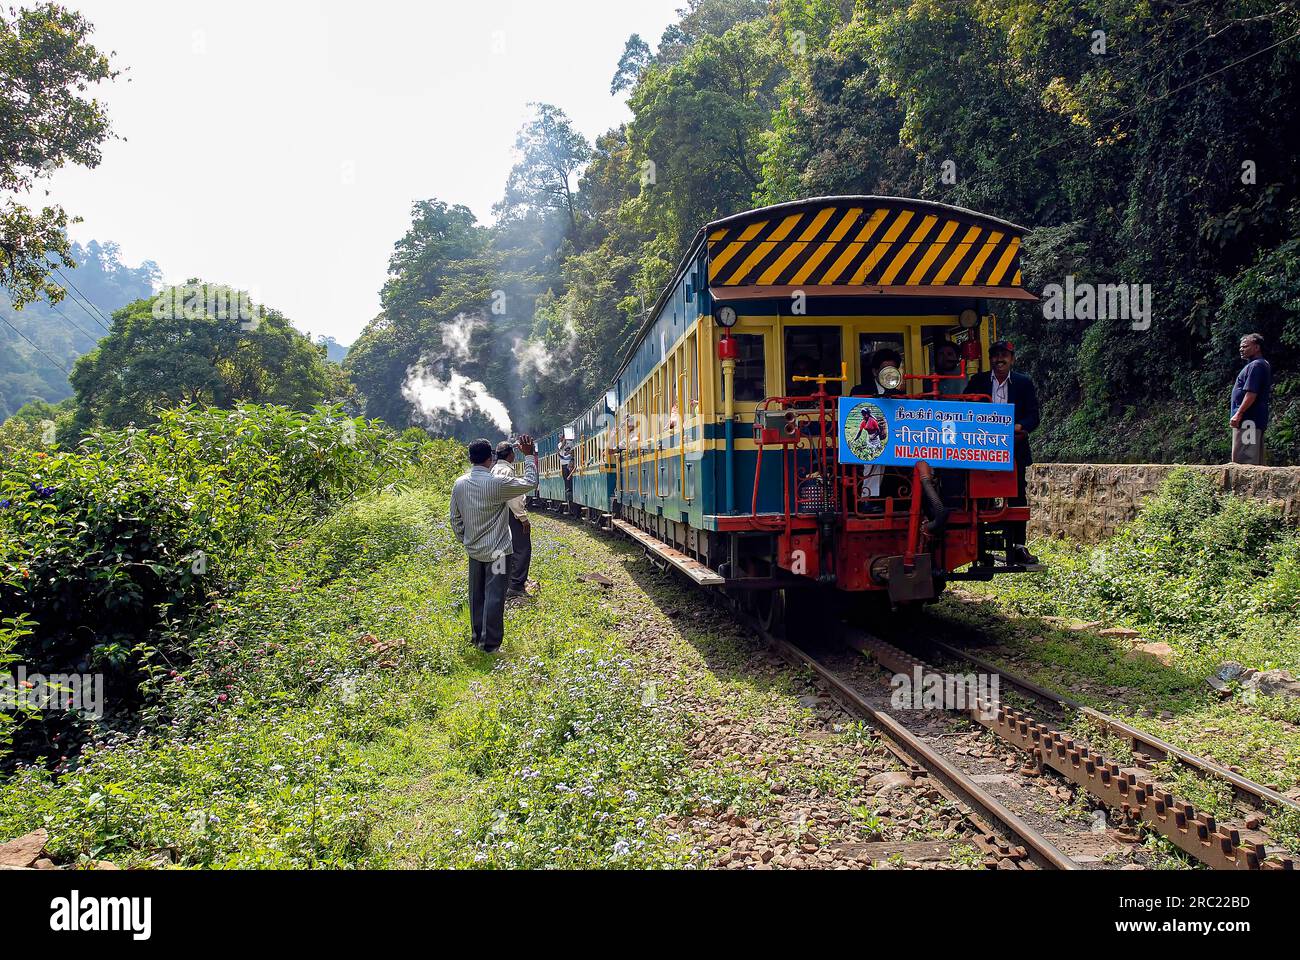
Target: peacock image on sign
{"x":867,"y":431}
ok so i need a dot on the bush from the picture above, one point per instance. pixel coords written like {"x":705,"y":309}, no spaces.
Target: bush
{"x":116,"y":551}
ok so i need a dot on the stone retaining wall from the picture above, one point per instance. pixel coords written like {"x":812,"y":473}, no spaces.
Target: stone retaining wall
{"x":1088,"y":502}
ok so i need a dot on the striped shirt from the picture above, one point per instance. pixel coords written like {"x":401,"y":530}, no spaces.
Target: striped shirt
{"x":518,"y":506}
{"x":479,"y":515}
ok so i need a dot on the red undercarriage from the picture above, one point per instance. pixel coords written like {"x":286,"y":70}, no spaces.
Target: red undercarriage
{"x":858,"y":542}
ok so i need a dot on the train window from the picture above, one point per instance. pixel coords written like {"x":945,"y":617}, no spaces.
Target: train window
{"x":751,"y":368}
{"x":693,"y":365}
{"x":869,"y":343}
{"x":810,"y":351}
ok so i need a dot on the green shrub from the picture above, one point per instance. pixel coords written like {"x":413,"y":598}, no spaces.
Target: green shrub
{"x":117,"y":550}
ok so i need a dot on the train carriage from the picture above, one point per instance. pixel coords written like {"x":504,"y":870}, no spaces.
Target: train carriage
{"x":717,"y":445}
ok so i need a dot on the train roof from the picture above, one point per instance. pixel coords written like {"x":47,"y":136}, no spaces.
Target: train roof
{"x":853,"y":246}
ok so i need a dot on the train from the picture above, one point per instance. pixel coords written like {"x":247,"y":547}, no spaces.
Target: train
{"x":718,"y":443}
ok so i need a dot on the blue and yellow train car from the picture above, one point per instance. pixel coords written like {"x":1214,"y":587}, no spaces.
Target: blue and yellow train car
{"x":676,"y":453}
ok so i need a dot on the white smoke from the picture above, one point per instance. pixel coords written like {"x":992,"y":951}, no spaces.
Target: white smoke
{"x":542,"y":358}
{"x":440,"y":401}
{"x":456,"y":335}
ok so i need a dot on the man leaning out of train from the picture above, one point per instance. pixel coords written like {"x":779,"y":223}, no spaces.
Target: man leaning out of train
{"x":1004,"y":385}
{"x":480,"y":519}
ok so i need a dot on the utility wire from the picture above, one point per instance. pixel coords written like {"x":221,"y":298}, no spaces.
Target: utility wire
{"x":85,"y":333}
{"x":35,"y":346}
{"x":102,"y":320}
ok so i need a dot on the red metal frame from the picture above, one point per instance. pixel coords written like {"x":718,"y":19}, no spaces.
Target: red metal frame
{"x":871,"y":534}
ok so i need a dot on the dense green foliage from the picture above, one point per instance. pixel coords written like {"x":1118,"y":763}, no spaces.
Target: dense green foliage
{"x":331,"y":691}
{"x":1163,"y":153}
{"x":112,"y":553}
{"x":1215,"y":576}
{"x":68,"y":329}
{"x":199,"y":344}
{"x":47,"y":121}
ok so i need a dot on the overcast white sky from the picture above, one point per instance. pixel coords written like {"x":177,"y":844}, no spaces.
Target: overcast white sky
{"x":278,"y":145}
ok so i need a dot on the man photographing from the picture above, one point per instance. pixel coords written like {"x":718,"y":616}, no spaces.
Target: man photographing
{"x":480,"y":519}
{"x":521,"y":531}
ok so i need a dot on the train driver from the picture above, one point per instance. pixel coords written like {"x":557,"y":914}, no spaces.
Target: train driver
{"x":872,"y":476}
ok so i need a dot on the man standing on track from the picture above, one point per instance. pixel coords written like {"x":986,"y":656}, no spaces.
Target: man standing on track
{"x":521,"y":530}
{"x":479,"y":518}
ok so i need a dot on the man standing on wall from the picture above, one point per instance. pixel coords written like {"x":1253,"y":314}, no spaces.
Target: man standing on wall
{"x":1005,"y":386}
{"x":479,"y":518}
{"x":521,"y":530}
{"x":1250,"y":396}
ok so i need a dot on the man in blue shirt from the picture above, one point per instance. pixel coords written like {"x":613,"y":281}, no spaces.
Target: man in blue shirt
{"x":1250,"y":396}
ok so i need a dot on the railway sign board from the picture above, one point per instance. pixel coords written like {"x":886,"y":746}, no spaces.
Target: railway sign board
{"x":948,"y":434}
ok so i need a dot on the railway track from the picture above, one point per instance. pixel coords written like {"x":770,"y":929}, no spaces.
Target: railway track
{"x":1004,"y":836}
{"x":1129,"y":793}
{"x":1147,"y":748}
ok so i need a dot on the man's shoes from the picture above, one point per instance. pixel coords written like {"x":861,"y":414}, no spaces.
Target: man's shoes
{"x":873,"y":506}
{"x":513,"y":594}
{"x":1021,"y":556}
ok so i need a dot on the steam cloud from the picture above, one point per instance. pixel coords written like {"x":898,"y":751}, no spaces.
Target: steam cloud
{"x":456,"y":335}
{"x":440,"y":401}
{"x":542,"y":358}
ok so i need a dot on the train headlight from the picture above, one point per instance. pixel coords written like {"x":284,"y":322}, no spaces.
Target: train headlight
{"x":891,"y":378}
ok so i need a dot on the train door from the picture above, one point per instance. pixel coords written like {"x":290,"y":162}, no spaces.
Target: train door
{"x":690,"y":414}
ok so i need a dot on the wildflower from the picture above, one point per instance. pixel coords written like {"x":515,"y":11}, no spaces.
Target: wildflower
{"x":621,"y":849}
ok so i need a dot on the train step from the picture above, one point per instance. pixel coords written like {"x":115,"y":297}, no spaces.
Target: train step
{"x":687,"y":565}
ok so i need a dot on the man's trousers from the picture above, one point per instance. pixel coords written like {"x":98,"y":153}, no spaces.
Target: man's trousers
{"x":521,"y":540}
{"x":487,"y":601}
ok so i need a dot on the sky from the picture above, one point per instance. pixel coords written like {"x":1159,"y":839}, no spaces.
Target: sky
{"x":278,"y":146}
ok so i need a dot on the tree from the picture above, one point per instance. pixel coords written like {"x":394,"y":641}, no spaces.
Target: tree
{"x":46,"y":122}
{"x":40,"y":342}
{"x":636,"y":57}
{"x":700,"y":124}
{"x":199,"y":344}
{"x":551,"y":154}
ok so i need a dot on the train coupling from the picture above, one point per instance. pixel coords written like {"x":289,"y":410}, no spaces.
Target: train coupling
{"x":908,"y":585}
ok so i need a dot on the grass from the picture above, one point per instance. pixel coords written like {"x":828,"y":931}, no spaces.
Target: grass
{"x":337,"y":716}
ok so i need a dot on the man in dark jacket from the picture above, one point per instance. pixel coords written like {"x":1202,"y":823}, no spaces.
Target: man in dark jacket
{"x":1003,"y":385}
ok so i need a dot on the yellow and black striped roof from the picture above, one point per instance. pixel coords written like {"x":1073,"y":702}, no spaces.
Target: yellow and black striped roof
{"x":848,"y":245}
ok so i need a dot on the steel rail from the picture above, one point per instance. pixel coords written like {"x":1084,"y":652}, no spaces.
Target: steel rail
{"x":1223,"y":846}
{"x":1256,"y":794}
{"x":1039,"y":849}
